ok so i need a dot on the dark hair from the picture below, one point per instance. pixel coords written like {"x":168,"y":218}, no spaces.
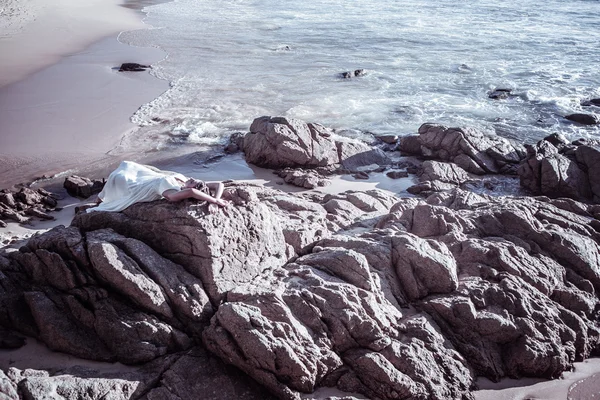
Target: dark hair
{"x":201,"y":186}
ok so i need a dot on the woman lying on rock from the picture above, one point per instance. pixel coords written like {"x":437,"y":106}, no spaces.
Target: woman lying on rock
{"x":135,"y":183}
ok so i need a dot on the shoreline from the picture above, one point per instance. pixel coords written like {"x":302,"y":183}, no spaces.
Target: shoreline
{"x":68,"y":27}
{"x":72,"y":113}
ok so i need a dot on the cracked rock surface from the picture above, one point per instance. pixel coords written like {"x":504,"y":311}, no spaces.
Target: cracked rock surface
{"x":280,"y":295}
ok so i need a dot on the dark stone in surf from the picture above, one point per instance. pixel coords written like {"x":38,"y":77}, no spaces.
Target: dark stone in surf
{"x":350,"y":74}
{"x":584,"y":119}
{"x":397,"y":174}
{"x":591,"y":102}
{"x":500,"y":94}
{"x":133,"y":67}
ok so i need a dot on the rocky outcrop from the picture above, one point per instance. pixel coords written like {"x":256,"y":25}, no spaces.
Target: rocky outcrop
{"x":21,"y":205}
{"x":562,"y":170}
{"x":278,"y":142}
{"x":361,"y":291}
{"x":78,"y":186}
{"x":470,"y":149}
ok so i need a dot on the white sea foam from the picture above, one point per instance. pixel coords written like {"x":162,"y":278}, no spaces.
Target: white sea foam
{"x":231,"y":61}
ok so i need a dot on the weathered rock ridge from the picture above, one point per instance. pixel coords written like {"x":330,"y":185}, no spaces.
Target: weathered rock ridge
{"x":278,"y":142}
{"x":470,"y":149}
{"x":365,"y":292}
{"x":23,"y":204}
{"x":556,"y":168}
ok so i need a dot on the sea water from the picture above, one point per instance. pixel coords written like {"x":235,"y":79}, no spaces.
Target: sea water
{"x":230,"y":61}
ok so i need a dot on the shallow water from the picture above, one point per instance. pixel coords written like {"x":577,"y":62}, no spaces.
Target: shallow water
{"x":231,"y":61}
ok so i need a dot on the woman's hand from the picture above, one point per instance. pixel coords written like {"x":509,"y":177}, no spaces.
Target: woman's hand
{"x":221,"y":202}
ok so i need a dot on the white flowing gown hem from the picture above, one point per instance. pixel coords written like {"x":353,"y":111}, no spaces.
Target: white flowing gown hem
{"x":134,"y":183}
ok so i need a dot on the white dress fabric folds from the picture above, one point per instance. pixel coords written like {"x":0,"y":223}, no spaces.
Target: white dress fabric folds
{"x":135,"y":183}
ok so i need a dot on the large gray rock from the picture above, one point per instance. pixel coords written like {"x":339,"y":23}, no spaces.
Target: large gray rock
{"x":284,"y":142}
{"x":567,"y":171}
{"x":278,"y":142}
{"x":470,"y":149}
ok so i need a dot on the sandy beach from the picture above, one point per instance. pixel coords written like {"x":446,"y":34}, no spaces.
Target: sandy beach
{"x":76,"y":107}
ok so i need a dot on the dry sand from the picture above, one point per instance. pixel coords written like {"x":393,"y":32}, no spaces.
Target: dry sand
{"x":73,"y":112}
{"x":38,"y":33}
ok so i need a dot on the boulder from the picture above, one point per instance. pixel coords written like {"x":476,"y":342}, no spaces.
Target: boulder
{"x":354,"y":155}
{"x":410,"y":145}
{"x":591,"y":102}
{"x":278,"y":142}
{"x":133,"y":67}
{"x":443,"y":172}
{"x":500,"y":94}
{"x":78,"y":186}
{"x":485,"y":153}
{"x":584,"y":119}
{"x":589,"y":156}
{"x":389,"y":139}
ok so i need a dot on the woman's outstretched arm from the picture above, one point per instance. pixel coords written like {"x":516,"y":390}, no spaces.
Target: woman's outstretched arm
{"x":189,"y":193}
{"x":216,"y":188}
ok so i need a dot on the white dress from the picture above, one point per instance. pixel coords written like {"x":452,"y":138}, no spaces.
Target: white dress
{"x":135,"y":183}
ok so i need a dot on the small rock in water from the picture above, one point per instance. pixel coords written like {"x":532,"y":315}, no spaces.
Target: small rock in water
{"x":585,"y":119}
{"x":361,"y":175}
{"x":397,"y":174}
{"x":350,"y":74}
{"x":591,"y":102}
{"x":500,"y":94}
{"x":133,"y":67}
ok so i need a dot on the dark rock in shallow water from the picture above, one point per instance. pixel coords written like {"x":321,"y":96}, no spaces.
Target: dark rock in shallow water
{"x":278,"y":142}
{"x":584,"y":119}
{"x":395,"y":174}
{"x":591,"y":102}
{"x":351,"y":74}
{"x":133,"y":67}
{"x":500,"y":94}
{"x":443,"y":172}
